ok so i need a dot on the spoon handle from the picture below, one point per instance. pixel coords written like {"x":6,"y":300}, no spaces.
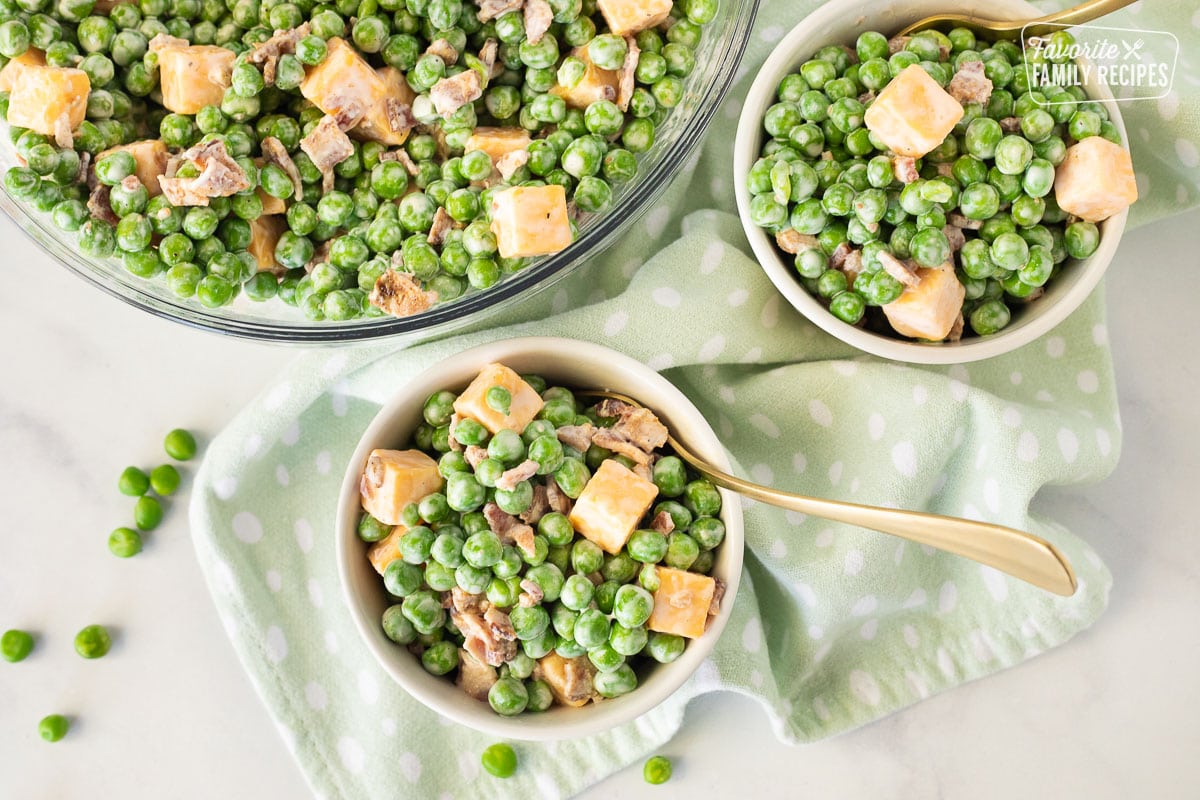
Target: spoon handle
{"x":1077,"y":15}
{"x":1017,"y":553}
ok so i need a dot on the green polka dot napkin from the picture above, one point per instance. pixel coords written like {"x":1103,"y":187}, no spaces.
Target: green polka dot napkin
{"x":833,"y":626}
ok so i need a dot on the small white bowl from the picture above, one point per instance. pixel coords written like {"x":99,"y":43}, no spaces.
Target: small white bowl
{"x":840,"y":22}
{"x":564,"y":362}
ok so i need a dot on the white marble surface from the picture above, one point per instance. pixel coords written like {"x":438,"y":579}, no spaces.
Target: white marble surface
{"x":88,"y":385}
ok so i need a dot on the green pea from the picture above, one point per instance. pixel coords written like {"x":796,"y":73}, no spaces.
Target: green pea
{"x":483,"y":549}
{"x":682,"y":550}
{"x":53,"y":728}
{"x":989,"y":317}
{"x":614,"y":683}
{"x":549,"y":579}
{"x":93,"y":642}
{"x":440,"y":658}
{"x":499,"y":759}
{"x":665,"y":647}
{"x":424,"y":610}
{"x":592,"y":627}
{"x":401,"y":578}
{"x":397,"y":627}
{"x":708,"y":532}
{"x":164,"y":479}
{"x":657,"y":769}
{"x":516,"y":500}
{"x":1081,"y":239}
{"x":133,"y":482}
{"x":15,"y":645}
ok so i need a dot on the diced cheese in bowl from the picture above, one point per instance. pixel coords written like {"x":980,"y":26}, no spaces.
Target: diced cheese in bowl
{"x":929,"y":309}
{"x":150,"y":157}
{"x":682,"y":602}
{"x":497,"y":142}
{"x":611,"y":504}
{"x":531,"y":221}
{"x":43,"y":99}
{"x":913,"y":114}
{"x":1095,"y":179}
{"x":194,"y":76}
{"x":525,"y":404}
{"x":596,"y":84}
{"x":393,"y":479}
{"x":386,"y":550}
{"x":627,"y":17}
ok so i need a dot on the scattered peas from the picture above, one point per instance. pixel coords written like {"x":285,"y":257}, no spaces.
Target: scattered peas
{"x":147,"y":513}
{"x":164,"y":480}
{"x":125,"y":542}
{"x":15,"y":645}
{"x":657,"y":770}
{"x":180,"y":445}
{"x":93,"y":642}
{"x":133,"y":482}
{"x":499,"y":760}
{"x":53,"y":728}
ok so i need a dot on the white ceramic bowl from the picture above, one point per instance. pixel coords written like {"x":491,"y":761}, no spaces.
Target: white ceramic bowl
{"x":840,"y":22}
{"x":564,"y":362}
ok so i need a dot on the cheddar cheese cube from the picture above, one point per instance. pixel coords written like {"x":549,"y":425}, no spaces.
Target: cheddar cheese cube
{"x":531,"y":220}
{"x":929,"y":309}
{"x":30,"y":58}
{"x":627,"y":17}
{"x":47,"y":99}
{"x":150,"y":157}
{"x":393,"y":479}
{"x":681,"y":602}
{"x":386,"y":550}
{"x":497,"y":142}
{"x":570,"y":679}
{"x":596,"y":84}
{"x":264,"y":235}
{"x":345,"y":82}
{"x":913,"y":114}
{"x":1095,"y":179}
{"x":525,"y":405}
{"x":270,"y":203}
{"x":193,"y":76}
{"x":612,"y":503}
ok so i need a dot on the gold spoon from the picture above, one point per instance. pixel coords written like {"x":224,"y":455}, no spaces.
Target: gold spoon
{"x":1011,"y":29}
{"x":1017,"y":553}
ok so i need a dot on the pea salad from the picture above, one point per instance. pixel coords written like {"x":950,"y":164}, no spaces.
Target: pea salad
{"x":926,"y":189}
{"x":352,"y":158}
{"x":540,"y":549}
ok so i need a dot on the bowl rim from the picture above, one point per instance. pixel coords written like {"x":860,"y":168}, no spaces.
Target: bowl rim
{"x":782,"y":58}
{"x":640,"y":197}
{"x":430,"y":690}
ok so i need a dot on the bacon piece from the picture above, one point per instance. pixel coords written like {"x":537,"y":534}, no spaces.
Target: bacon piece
{"x":970,"y":84}
{"x":852,"y":266}
{"x":327,"y":146}
{"x":955,"y":236}
{"x":898,"y":269}
{"x":956,"y":330}
{"x":475,"y":455}
{"x":399,"y":115}
{"x":163,"y":41}
{"x":1010,"y":124}
{"x":626,"y":77}
{"x":443,"y":50}
{"x":959,"y":221}
{"x":404,"y":158}
{"x":905,"y":169}
{"x":490,"y":9}
{"x":275,"y":153}
{"x":98,"y":205}
{"x":442,"y":223}
{"x":465,"y":602}
{"x":487,"y":55}
{"x":838,"y":256}
{"x":475,"y":677}
{"x":538,"y":506}
{"x":451,"y":94}
{"x":399,"y":294}
{"x":897,"y":43}
{"x":792,"y":241}
{"x":576,"y":436}
{"x":638,"y":425}
{"x":220,"y":175}
{"x":508,"y":528}
{"x":532,"y":595}
{"x":512,"y":477}
{"x":663,"y":523}
{"x":62,"y":132}
{"x":489,"y":637}
{"x":538,"y":18}
{"x":266,"y":54}
{"x":714,"y":606}
{"x":557,"y":498}
{"x":610,"y":439}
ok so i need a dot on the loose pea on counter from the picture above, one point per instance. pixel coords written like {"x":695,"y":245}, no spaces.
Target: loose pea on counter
{"x":924,"y":186}
{"x":357,"y":158}
{"x":540,"y":550}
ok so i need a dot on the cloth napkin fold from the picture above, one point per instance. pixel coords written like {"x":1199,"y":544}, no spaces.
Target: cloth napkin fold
{"x":833,"y":626}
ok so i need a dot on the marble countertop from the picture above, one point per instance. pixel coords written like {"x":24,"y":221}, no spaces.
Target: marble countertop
{"x":88,"y":385}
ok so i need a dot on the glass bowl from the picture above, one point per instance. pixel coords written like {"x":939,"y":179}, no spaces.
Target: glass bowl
{"x":725,"y":39}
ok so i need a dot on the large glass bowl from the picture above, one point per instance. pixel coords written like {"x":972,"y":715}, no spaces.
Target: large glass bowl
{"x":720,"y":52}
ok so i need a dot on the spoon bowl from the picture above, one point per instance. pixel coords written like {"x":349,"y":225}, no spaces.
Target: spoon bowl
{"x":1013,"y":29}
